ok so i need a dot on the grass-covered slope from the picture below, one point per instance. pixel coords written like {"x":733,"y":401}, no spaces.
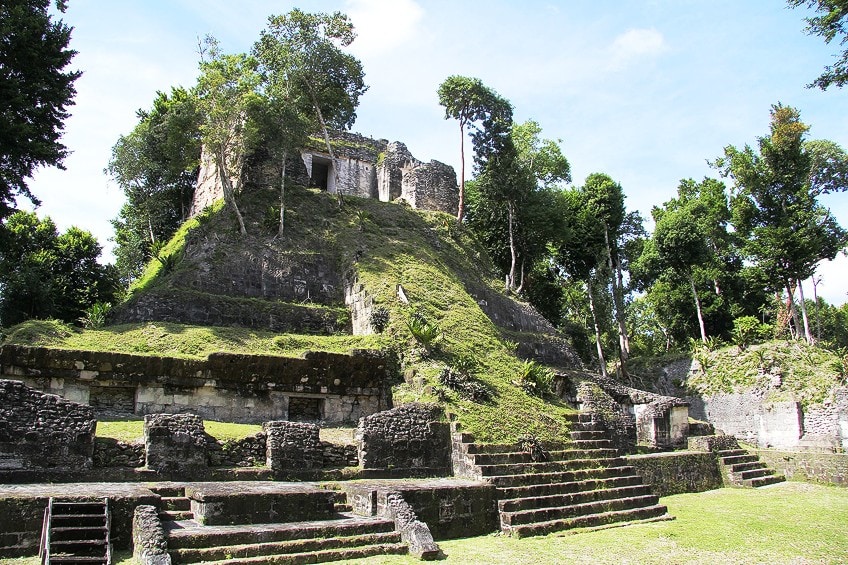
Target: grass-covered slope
{"x":378,"y":245}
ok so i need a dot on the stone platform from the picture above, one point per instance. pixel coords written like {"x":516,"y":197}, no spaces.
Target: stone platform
{"x":262,"y":502}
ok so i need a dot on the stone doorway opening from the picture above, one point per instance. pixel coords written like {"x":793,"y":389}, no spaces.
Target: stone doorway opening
{"x":321,"y":173}
{"x":306,"y":409}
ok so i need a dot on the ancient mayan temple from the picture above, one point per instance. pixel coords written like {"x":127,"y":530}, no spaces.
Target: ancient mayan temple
{"x":364,"y":167}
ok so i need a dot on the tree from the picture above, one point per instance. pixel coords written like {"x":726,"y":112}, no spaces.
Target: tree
{"x":829,"y":23}
{"x":302,"y":56}
{"x":47,"y":275}
{"x":35,"y":92}
{"x":472,"y":103}
{"x":580,"y":251}
{"x":605,"y":199}
{"x":156,"y":166}
{"x":227,"y":94}
{"x":787,"y":232}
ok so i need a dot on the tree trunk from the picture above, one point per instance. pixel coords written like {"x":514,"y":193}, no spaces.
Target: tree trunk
{"x":816,"y":302}
{"x":327,"y":141}
{"x":793,"y":312}
{"x":226,"y":185}
{"x":807,"y":334}
{"x":618,"y":303}
{"x":601,"y":361}
{"x":460,"y":209}
{"x":698,"y":308}
{"x":521,"y":280}
{"x":283,"y":196}
{"x":512,"y":255}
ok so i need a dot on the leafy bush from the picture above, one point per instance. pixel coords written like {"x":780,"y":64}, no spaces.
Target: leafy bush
{"x":535,"y":379}
{"x":379,"y":319}
{"x":424,"y":332}
{"x":95,"y":315}
{"x":748,"y":330}
{"x":531,"y":444}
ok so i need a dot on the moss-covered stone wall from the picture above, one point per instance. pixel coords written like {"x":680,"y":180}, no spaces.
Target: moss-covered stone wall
{"x":825,"y":468}
{"x":678,"y":472}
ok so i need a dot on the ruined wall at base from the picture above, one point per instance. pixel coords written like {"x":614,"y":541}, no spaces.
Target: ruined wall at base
{"x":752,"y":417}
{"x":678,"y":472}
{"x":43,"y":430}
{"x":407,"y":440}
{"x":333,"y":388}
{"x":825,"y":468}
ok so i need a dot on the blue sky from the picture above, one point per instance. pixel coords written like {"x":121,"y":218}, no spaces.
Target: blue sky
{"x":645,"y":91}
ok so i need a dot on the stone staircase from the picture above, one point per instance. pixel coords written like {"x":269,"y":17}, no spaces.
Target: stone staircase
{"x":343,"y":538}
{"x":581,"y":484}
{"x":175,"y":504}
{"x":745,"y":470}
{"x":77,"y":532}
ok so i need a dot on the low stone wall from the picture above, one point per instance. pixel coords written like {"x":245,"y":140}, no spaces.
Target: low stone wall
{"x":825,"y":468}
{"x":245,"y":452}
{"x":333,"y":388}
{"x":293,"y":446}
{"x":678,"y":472}
{"x":405,"y":441}
{"x":216,"y":504}
{"x":175,"y":443}
{"x":109,"y":452}
{"x":42,"y":430}
{"x":451,"y":508}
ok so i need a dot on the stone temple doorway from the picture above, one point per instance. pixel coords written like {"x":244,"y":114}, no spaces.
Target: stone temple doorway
{"x":321,"y":173}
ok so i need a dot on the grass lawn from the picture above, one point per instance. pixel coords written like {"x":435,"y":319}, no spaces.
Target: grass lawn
{"x":793,"y":522}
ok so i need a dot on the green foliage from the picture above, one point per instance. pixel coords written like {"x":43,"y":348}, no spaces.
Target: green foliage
{"x":465,"y":385}
{"x":425,"y":333}
{"x":96,"y":315}
{"x":748,"y":330}
{"x":45,"y":274}
{"x":535,"y":379}
{"x":156,"y":167}
{"x":35,"y":93}
{"x":379,"y":319}
{"x":829,"y":23}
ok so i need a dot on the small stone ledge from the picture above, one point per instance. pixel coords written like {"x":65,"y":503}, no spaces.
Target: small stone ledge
{"x":414,"y":532}
{"x":150,"y":546}
{"x":713,"y":443}
{"x":678,"y":472}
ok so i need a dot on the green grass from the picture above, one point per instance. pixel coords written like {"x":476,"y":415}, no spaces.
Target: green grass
{"x":180,"y":340}
{"x":130,"y":431}
{"x":788,"y":523}
{"x":795,"y":523}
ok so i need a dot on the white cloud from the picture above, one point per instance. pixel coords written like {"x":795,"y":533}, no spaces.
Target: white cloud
{"x":636,"y":44}
{"x":382,"y":26}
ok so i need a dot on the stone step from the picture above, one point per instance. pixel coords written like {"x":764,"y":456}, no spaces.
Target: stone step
{"x":548,"y":466}
{"x":343,"y":554}
{"x":78,"y":559}
{"x":764,"y":481}
{"x":588,"y":434}
{"x":754,"y":473}
{"x":735,"y":459}
{"x":525,"y":457}
{"x":176,"y":503}
{"x":169,"y":492}
{"x":592,"y":443}
{"x":496,"y":448}
{"x":749,"y":466}
{"x":589,"y":521}
{"x":538,"y":515}
{"x":570,"y":499}
{"x":561,"y":477}
{"x":290,"y":547}
{"x":175,"y":515}
{"x":731,"y":452}
{"x":506,"y":493}
{"x":342,"y":507}
{"x":180,"y":536}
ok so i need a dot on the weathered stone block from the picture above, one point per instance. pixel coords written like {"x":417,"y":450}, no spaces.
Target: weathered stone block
{"x":175,"y":442}
{"x":258,"y":503}
{"x":292,"y":446}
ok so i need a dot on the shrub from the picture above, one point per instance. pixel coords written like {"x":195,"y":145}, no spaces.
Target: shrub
{"x":95,"y":315}
{"x":535,"y":379}
{"x":748,"y":330}
{"x":379,"y":319}
{"x":424,"y":332}
{"x":465,"y":386}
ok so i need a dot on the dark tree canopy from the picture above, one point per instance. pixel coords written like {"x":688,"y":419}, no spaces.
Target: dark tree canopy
{"x":35,"y":92}
{"x":44,"y":274}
